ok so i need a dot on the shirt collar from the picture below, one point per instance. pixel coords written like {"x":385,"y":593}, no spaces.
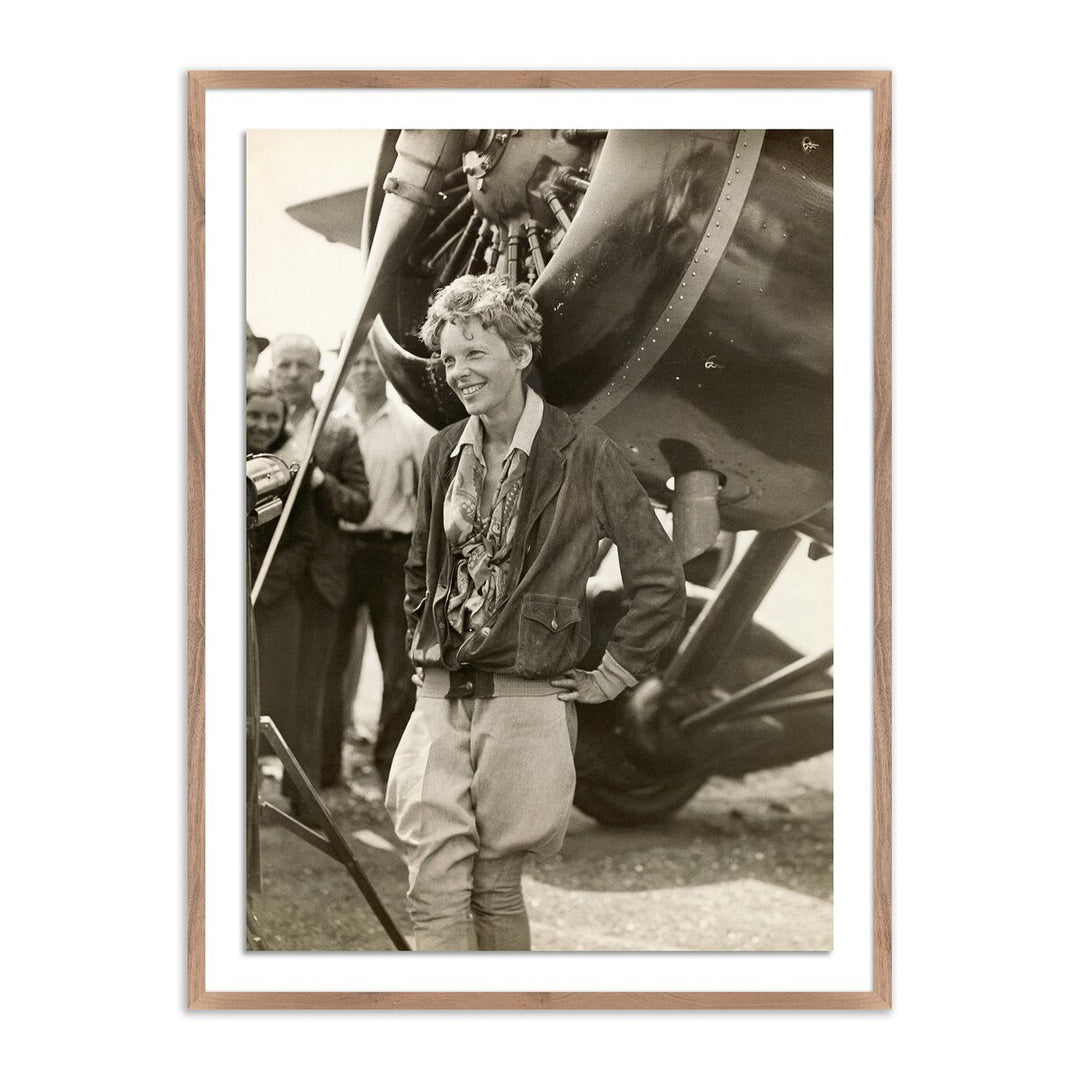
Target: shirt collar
{"x":524,"y":434}
{"x":297,"y":413}
{"x":383,"y":410}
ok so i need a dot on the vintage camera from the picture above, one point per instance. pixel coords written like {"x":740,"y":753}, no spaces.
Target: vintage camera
{"x":268,"y":481}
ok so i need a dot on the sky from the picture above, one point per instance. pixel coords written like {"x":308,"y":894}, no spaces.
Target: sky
{"x":297,"y":281}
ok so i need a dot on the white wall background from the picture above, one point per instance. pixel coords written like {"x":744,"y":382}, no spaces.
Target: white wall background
{"x":985,"y":583}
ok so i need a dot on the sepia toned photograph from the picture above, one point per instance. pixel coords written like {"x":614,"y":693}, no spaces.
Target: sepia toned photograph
{"x":539,"y":531}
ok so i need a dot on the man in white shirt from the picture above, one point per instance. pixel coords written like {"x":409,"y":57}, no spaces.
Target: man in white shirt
{"x":393,"y":441}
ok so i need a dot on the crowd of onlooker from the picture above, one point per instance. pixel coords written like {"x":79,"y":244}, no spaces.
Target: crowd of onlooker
{"x":341,"y":556}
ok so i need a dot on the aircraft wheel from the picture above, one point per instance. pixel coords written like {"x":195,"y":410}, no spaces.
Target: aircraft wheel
{"x":613,"y":786}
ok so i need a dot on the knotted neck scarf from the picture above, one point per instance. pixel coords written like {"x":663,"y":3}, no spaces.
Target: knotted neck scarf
{"x":480,"y":549}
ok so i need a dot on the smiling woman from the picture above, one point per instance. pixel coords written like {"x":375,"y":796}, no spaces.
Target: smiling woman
{"x":485,"y":373}
{"x":513,"y":504}
{"x":264,"y":415}
{"x":265,"y":411}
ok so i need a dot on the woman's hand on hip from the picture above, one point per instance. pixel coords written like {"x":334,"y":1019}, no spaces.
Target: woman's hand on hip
{"x":578,"y":685}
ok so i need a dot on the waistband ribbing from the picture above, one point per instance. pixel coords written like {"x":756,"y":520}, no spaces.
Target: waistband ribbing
{"x":486,"y":684}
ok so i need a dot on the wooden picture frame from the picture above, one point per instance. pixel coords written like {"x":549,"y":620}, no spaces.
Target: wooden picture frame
{"x":878,"y":83}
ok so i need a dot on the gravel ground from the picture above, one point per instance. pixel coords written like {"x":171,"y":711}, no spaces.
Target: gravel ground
{"x":746,"y":865}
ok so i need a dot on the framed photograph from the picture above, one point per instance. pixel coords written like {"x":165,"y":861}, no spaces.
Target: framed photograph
{"x":542,"y":658}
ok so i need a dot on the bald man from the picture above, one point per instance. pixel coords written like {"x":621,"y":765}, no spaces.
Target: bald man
{"x":340,"y":489}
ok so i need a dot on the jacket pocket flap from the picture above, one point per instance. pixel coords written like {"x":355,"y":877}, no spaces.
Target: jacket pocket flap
{"x":554,"y":612}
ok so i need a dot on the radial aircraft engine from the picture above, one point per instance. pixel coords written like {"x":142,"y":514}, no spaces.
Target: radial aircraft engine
{"x":685,"y":280}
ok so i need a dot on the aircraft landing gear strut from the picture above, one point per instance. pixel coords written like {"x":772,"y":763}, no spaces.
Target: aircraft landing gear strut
{"x":734,"y":699}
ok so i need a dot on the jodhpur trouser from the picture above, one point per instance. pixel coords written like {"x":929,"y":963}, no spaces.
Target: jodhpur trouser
{"x":478,"y":783}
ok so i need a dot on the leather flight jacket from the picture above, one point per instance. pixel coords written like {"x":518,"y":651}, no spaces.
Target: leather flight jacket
{"x":578,"y":489}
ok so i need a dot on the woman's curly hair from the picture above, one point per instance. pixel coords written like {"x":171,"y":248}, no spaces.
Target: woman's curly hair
{"x":508,"y":310}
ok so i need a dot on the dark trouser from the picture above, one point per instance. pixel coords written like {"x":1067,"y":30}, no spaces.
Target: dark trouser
{"x":318,"y":624}
{"x":377,"y":580}
{"x":277,"y":627}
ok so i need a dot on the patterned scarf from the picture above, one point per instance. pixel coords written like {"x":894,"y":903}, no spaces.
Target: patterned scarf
{"x":480,"y":548}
